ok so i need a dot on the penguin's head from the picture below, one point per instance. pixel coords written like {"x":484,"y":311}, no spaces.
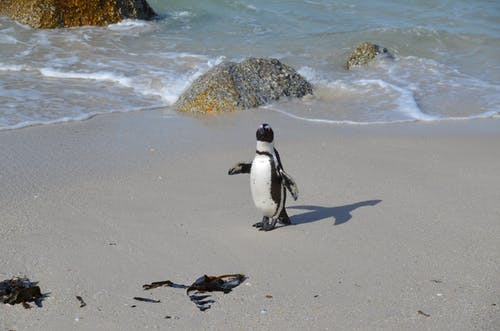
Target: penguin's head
{"x":265,"y":133}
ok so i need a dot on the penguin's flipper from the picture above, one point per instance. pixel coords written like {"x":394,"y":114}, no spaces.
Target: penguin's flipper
{"x":240,"y":168}
{"x":290,"y":184}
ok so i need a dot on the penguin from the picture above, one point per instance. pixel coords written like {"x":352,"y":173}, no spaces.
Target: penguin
{"x":268,"y":180}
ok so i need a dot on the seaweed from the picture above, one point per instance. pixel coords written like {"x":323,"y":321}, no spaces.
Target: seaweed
{"x":82,"y":303}
{"x":146,"y":300}
{"x":20,"y":290}
{"x":195,"y":291}
{"x":157,"y":284}
{"x":224,"y":283}
{"x":422,"y":313}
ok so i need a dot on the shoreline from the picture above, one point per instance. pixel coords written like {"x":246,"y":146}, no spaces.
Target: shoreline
{"x":492,"y":115}
{"x":99,"y":207}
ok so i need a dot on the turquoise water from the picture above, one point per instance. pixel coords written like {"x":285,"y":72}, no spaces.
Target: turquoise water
{"x":446,"y":63}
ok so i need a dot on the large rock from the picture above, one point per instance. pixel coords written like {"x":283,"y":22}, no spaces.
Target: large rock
{"x":48,"y":14}
{"x":232,"y":86}
{"x":363,"y":54}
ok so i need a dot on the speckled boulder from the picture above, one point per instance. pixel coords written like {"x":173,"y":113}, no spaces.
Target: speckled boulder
{"x":235,"y":86}
{"x":363,"y":54}
{"x":49,"y":14}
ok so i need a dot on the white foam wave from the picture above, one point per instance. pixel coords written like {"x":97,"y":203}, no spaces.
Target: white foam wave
{"x":6,"y":39}
{"x":80,"y":117}
{"x":25,"y":124}
{"x":311,"y":75}
{"x":435,"y":72}
{"x":182,"y":14}
{"x":406,"y":100}
{"x":167,"y":86}
{"x":391,"y":90}
{"x":403,"y":98}
{"x":144,"y":86}
{"x":250,"y":7}
{"x":330,"y":121}
{"x":11,"y":67}
{"x":177,"y":83}
{"x":128,"y":24}
{"x":43,"y":38}
{"x":490,"y":114}
{"x":99,"y":76}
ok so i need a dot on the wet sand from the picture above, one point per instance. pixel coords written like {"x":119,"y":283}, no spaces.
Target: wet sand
{"x":397,"y":227}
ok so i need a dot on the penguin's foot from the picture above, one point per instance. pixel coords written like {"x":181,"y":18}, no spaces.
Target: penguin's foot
{"x":260,"y":224}
{"x":257,"y":225}
{"x":268,"y":226}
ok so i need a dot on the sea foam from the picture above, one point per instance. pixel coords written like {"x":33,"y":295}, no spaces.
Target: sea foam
{"x":129,"y":24}
{"x":11,"y":67}
{"x":100,"y":76}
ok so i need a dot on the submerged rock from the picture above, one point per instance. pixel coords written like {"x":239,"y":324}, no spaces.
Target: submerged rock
{"x":232,"y":86}
{"x":363,"y":54}
{"x":49,"y":14}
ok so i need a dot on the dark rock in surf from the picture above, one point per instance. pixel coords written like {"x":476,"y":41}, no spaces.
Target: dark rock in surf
{"x":363,"y":54}
{"x":232,"y":86}
{"x":49,"y":14}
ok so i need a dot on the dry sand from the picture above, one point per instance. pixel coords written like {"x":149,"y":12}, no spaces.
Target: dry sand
{"x":391,"y":220}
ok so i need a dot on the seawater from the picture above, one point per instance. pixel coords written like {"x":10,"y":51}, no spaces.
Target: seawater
{"x":445,"y":64}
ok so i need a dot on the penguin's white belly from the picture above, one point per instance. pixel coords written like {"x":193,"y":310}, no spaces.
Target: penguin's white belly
{"x":260,"y":185}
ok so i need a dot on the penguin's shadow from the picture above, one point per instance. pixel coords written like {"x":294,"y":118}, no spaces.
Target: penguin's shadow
{"x":341,"y":214}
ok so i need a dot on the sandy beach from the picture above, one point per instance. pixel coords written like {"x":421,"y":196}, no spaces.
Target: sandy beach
{"x":397,"y":227}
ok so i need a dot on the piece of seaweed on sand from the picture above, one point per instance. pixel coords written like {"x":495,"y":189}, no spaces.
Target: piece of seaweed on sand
{"x":196,"y":291}
{"x":20,"y":290}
